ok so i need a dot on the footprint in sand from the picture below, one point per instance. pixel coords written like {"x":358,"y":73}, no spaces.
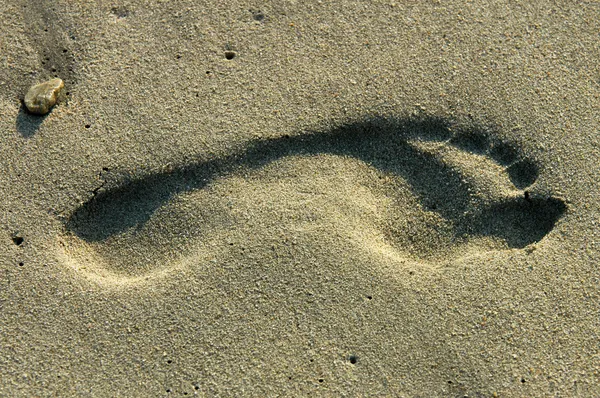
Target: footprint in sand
{"x":426,"y":190}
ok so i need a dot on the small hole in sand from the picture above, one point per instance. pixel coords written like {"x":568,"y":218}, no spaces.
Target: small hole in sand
{"x":230,"y":55}
{"x":87,"y":126}
{"x":21,"y":264}
{"x":119,"y":12}
{"x":321,"y":380}
{"x":370,"y":297}
{"x":196,"y":387}
{"x":169,"y":361}
{"x":258,"y":15}
{"x":353,"y":359}
{"x":17,"y":240}
{"x":522,"y":380}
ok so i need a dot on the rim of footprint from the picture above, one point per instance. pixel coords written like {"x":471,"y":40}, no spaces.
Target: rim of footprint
{"x":468,"y":186}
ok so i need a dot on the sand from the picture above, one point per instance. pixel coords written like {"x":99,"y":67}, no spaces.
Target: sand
{"x":301,"y":199}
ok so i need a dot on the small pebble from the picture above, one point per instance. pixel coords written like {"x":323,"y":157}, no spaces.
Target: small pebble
{"x":42,"y":97}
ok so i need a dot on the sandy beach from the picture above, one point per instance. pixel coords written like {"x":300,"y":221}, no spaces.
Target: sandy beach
{"x":301,"y":199}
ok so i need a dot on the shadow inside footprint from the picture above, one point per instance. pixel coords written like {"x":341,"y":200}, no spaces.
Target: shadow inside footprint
{"x":127,"y":204}
{"x":519,"y":222}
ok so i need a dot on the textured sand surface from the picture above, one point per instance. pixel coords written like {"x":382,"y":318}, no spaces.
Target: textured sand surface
{"x":301,"y":199}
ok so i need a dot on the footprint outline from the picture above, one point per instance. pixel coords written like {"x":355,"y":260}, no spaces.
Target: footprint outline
{"x":127,"y":202}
